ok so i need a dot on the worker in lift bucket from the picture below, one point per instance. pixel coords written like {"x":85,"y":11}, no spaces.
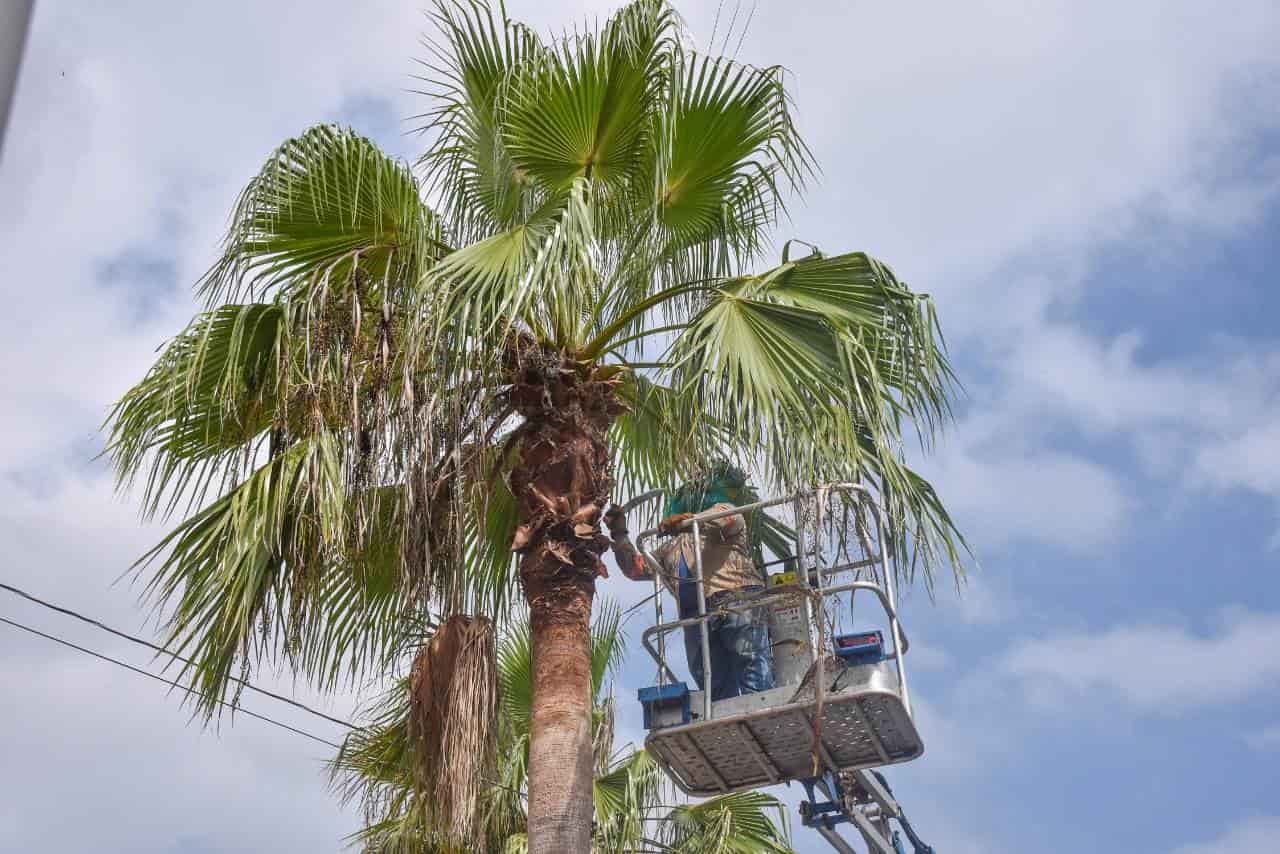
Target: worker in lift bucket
{"x":741,"y":656}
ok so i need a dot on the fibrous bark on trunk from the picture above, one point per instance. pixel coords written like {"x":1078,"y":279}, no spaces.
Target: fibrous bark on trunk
{"x":562,"y":484}
{"x":560,"y":748}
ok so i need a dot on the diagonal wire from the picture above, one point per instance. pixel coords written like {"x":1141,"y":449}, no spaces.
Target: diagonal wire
{"x":169,"y":682}
{"x":143,"y":642}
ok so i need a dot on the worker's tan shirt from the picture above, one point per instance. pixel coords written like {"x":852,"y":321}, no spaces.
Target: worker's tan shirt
{"x":726,"y":555}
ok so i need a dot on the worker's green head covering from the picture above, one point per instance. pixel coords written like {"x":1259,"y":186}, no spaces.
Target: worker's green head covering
{"x":722,"y":483}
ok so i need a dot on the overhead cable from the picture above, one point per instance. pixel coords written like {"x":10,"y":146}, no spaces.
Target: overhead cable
{"x":169,"y":682}
{"x":143,"y":642}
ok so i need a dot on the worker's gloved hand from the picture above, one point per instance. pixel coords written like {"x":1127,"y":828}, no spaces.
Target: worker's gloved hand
{"x":672,"y":523}
{"x":616,"y":521}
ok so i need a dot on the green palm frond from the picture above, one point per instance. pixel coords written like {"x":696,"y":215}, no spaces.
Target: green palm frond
{"x":660,"y":439}
{"x":730,"y":151}
{"x":738,"y":823}
{"x":771,"y":537}
{"x":896,"y":328}
{"x":515,"y":664}
{"x":326,"y":204}
{"x":816,"y":366}
{"x":467,"y":165}
{"x":625,"y":796}
{"x":375,"y":767}
{"x":213,"y":391}
{"x":222,"y":570}
{"x":763,"y":353}
{"x":515,"y":678}
{"x":607,"y":648}
{"x":378,"y":753}
{"x":539,"y":274}
{"x":488,"y":571}
{"x":585,"y":108}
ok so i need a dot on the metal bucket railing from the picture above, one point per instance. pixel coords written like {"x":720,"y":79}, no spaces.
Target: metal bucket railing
{"x":886,"y":593}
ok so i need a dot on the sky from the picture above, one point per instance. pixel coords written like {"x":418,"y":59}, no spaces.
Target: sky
{"x":1091,"y":192}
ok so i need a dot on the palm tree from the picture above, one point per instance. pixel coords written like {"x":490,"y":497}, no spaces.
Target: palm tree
{"x":378,"y":764}
{"x":409,"y":388}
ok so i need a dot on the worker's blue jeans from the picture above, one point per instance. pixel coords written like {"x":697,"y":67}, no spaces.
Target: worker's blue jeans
{"x":741,"y":655}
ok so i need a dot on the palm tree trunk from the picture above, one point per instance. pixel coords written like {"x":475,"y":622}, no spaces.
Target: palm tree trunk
{"x":560,"y":749}
{"x":562,"y":485}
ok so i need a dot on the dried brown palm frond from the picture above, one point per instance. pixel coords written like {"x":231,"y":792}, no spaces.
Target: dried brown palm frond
{"x":452,"y":724}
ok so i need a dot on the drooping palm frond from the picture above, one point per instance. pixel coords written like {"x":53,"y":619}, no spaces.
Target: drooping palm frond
{"x":264,"y":573}
{"x":361,"y":612}
{"x":272,"y":420}
{"x":895,"y":329}
{"x":731,"y":151}
{"x":626,"y":795}
{"x":453,"y":727}
{"x":196,"y":416}
{"x":816,"y":366}
{"x":326,"y":204}
{"x":737,"y":823}
{"x":223,"y":569}
{"x":467,"y":164}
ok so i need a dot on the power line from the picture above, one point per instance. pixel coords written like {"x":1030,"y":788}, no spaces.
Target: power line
{"x":143,"y":642}
{"x":169,"y":682}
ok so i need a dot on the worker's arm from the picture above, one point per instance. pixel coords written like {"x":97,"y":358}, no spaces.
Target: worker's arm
{"x":726,"y":527}
{"x":633,"y":566}
{"x":721,"y":528}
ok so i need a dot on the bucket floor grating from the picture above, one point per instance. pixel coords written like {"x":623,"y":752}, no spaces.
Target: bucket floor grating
{"x":773,"y":745}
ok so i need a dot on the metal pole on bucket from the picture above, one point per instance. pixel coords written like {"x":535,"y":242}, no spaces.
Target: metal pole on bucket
{"x":657,"y":580}
{"x":702,"y":614}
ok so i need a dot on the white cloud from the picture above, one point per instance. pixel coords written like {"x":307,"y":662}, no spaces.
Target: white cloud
{"x":1008,"y":495}
{"x":1253,"y":835}
{"x":1039,"y":132}
{"x":1016,"y":151}
{"x":1267,"y":738}
{"x":1106,"y":386}
{"x":926,"y":658}
{"x":1204,"y":424}
{"x":100,"y":758}
{"x":133,"y":130}
{"x":982,"y":598}
{"x":1195,"y":424}
{"x":1250,"y":459}
{"x":1163,"y":669}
